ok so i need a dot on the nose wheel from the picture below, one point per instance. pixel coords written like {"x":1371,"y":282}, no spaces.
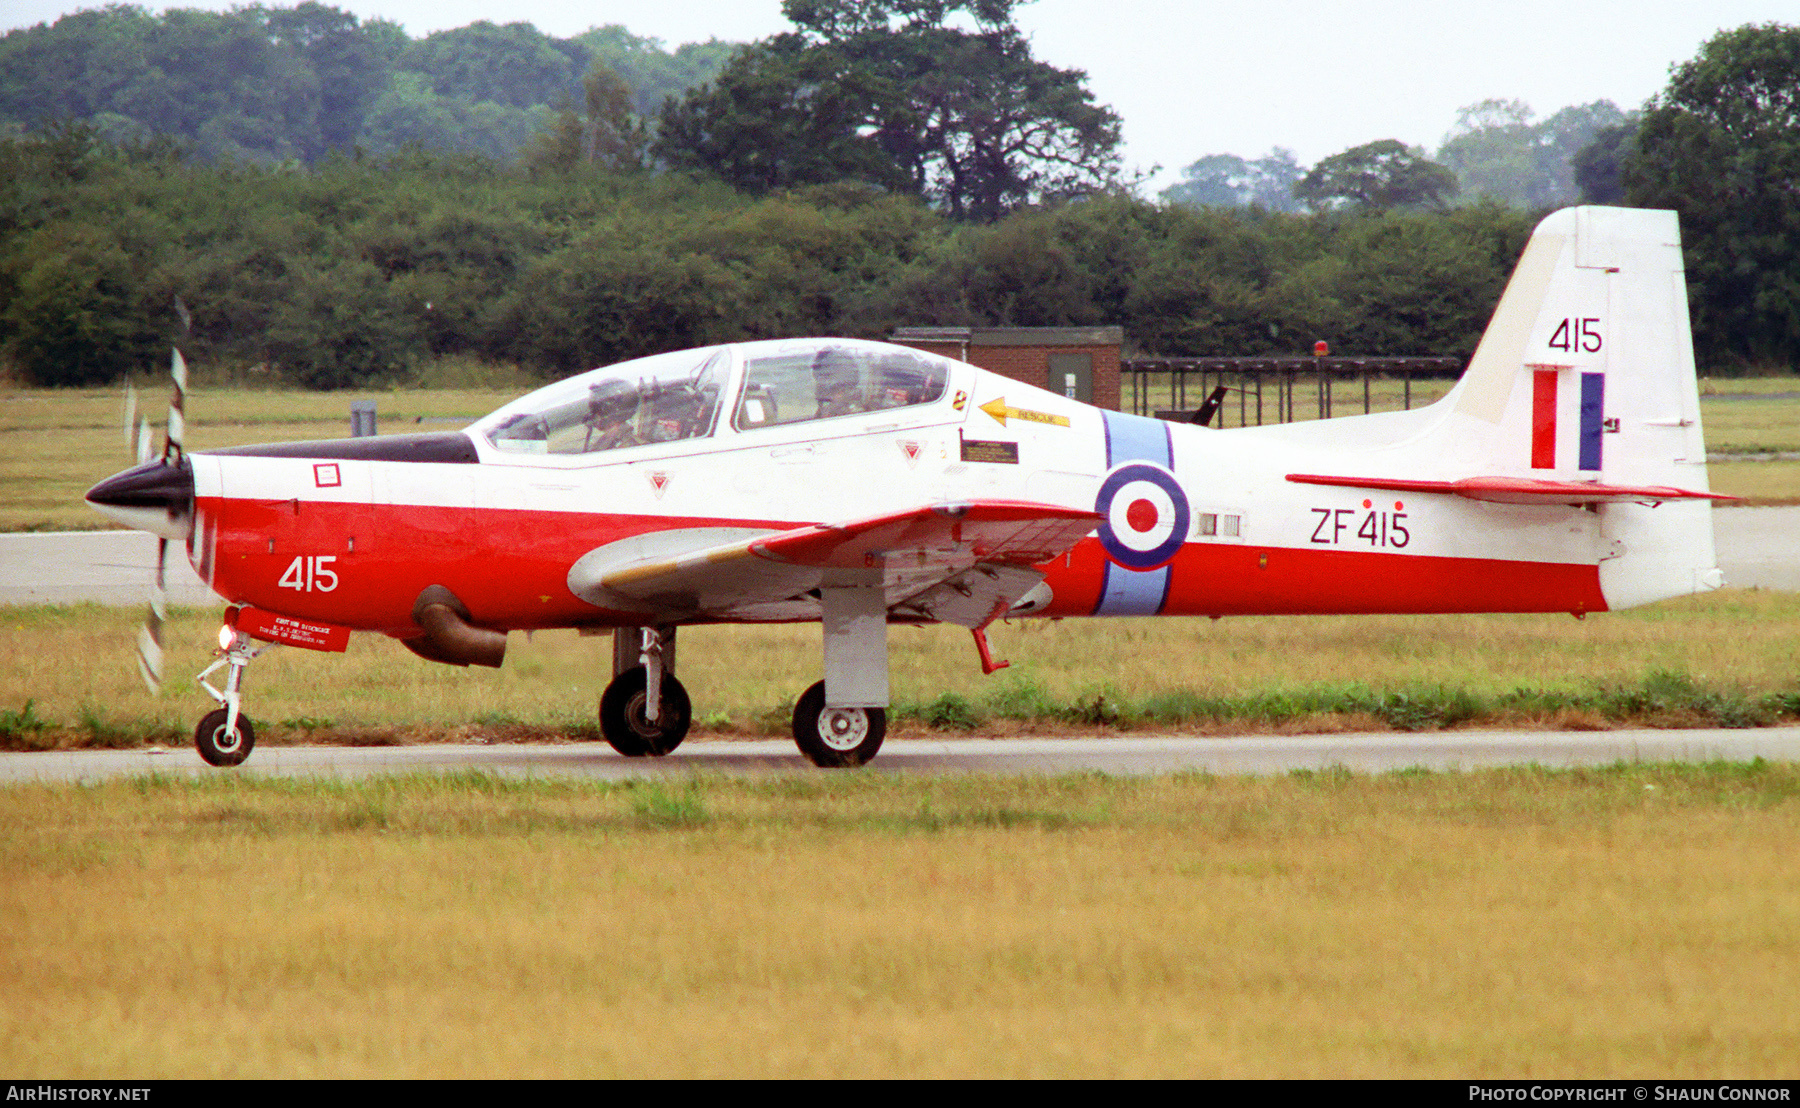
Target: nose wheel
{"x":222,"y":741}
{"x":836,"y":738}
{"x":225,"y":736}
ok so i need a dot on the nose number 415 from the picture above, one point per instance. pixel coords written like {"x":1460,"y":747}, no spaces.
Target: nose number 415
{"x":310,"y":574}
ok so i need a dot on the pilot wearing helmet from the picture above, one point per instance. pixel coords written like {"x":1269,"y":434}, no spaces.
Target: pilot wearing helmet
{"x":837,"y":382}
{"x":611,"y":405}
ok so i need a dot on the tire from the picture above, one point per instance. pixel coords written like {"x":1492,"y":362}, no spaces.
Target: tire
{"x":220,"y":749}
{"x":622,"y":719}
{"x":837,"y":738}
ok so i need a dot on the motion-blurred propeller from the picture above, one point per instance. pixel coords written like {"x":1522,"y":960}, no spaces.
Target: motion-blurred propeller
{"x":155,"y":496}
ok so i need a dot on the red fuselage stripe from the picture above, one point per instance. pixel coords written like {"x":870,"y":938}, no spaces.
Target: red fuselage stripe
{"x":362,"y":567}
{"x":1221,"y":579}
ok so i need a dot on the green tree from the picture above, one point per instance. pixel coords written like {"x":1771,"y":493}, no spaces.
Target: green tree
{"x":515,"y":64}
{"x":653,"y":72}
{"x":353,"y":62}
{"x":74,"y":313}
{"x":1599,"y":167}
{"x":779,"y":115}
{"x":1228,"y":181}
{"x":340,"y":328}
{"x":1377,"y":176}
{"x":607,"y":134}
{"x":895,"y":92}
{"x":597,"y":302}
{"x":254,"y":84}
{"x":1498,"y":152}
{"x":1493,"y":152}
{"x":411,"y":115}
{"x":1721,"y":145}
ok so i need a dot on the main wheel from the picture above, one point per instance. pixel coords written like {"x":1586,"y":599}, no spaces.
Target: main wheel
{"x":220,"y":747}
{"x":837,"y":737}
{"x":622,"y":719}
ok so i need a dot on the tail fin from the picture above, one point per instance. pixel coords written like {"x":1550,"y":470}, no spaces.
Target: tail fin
{"x":1582,"y":391}
{"x":1587,"y":369}
{"x":1586,"y":375}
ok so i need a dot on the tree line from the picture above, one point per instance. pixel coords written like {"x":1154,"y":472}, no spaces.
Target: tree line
{"x":269,"y":85}
{"x":1720,"y":145}
{"x":886,"y":163}
{"x":352,"y":272}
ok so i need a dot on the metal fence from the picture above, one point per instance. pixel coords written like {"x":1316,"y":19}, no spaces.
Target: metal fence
{"x":1273,"y":390}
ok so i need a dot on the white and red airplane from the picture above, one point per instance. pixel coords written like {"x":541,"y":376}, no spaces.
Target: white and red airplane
{"x":859,"y":484}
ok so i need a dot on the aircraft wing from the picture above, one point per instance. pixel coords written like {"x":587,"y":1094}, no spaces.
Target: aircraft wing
{"x":961,"y":563}
{"x":1517,"y":490}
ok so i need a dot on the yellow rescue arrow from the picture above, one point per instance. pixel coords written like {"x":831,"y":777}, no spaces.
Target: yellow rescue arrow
{"x":1001,"y":413}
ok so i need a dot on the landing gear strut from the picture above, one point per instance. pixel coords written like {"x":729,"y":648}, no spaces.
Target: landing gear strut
{"x":644,"y":711}
{"x":225,"y":737}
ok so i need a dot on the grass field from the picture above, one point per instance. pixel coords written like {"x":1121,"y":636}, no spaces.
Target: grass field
{"x":1722,"y":659}
{"x":1631,"y":922}
{"x":56,"y":443}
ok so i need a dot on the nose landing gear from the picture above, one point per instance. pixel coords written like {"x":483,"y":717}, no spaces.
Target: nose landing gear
{"x":225,"y":737}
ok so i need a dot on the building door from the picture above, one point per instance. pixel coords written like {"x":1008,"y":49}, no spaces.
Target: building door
{"x":1072,"y":375}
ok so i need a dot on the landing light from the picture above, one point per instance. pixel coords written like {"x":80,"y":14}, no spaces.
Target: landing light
{"x":226,"y":634}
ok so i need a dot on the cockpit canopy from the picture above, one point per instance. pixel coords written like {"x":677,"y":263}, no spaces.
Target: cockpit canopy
{"x":675,"y":396}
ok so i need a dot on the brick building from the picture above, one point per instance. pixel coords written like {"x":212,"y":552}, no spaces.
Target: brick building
{"x":1082,"y":362}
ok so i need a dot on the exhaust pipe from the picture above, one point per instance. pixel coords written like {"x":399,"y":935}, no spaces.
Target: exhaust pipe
{"x":449,"y":636}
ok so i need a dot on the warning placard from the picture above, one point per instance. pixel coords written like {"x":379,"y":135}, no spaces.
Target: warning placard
{"x":307,"y":633}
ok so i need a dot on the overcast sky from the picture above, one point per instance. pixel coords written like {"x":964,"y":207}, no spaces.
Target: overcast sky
{"x":1197,"y":77}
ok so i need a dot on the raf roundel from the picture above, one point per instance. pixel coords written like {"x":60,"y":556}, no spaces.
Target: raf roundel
{"x":1145,"y":516}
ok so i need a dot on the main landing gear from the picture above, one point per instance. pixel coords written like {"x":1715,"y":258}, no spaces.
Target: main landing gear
{"x":644,"y":712}
{"x":836,"y":738}
{"x":225,"y":736}
{"x":644,"y":660}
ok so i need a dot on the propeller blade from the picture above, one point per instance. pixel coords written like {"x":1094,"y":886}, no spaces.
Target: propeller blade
{"x":150,"y":648}
{"x":131,"y":416}
{"x":143,"y":440}
{"x":175,"y":443}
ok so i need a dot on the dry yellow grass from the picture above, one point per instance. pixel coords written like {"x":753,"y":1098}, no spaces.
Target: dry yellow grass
{"x":56,"y":443}
{"x":1760,"y":483}
{"x":1634,"y":922}
{"x":78,"y":661}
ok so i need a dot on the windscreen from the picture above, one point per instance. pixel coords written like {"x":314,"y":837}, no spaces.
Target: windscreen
{"x":661,"y":399}
{"x":822,"y":380}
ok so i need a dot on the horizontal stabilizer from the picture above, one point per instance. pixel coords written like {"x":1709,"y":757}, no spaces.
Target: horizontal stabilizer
{"x":1517,"y":490}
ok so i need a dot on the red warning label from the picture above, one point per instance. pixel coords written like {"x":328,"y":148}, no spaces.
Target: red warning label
{"x":270,"y":627}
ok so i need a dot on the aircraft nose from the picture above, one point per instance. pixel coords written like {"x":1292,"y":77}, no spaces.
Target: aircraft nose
{"x":152,"y":497}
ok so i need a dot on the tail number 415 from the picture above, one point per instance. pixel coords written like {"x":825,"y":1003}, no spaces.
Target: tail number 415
{"x":310,"y":574}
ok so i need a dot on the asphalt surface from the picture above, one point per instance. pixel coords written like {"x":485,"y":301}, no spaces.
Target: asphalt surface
{"x":1758,"y":548}
{"x":1117,"y":755}
{"x":106,"y":567}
